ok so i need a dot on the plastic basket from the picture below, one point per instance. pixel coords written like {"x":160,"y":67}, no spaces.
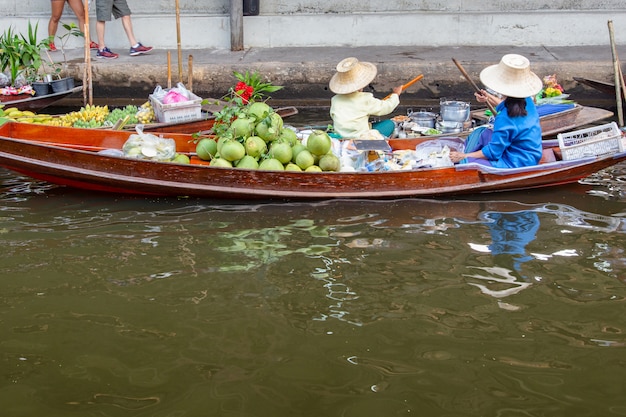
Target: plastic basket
{"x":594,"y":141}
{"x":177,"y":112}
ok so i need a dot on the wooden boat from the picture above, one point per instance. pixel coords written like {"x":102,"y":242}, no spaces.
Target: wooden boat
{"x":551,"y":124}
{"x":201,"y":125}
{"x":69,"y":156}
{"x":605,"y":87}
{"x":36,"y":103}
{"x":555,"y":123}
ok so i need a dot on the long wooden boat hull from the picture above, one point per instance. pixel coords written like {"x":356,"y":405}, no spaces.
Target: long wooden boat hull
{"x":201,"y":125}
{"x":37,"y":103}
{"x":605,"y":87}
{"x":66,"y":156}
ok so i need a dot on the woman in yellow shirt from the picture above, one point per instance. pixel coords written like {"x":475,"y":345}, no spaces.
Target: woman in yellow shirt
{"x":351,"y":108}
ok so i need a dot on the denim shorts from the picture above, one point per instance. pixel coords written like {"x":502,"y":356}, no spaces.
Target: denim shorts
{"x":106,"y":8}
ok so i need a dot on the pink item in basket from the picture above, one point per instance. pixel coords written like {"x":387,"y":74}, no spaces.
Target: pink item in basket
{"x":173,"y":96}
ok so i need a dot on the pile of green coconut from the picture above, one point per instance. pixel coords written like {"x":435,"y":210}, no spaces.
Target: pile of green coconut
{"x":257,"y":139}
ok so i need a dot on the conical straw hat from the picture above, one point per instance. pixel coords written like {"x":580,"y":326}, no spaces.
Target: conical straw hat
{"x":512,"y":77}
{"x":351,"y":76}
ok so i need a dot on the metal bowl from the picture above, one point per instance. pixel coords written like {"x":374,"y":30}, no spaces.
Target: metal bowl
{"x":455,"y":111}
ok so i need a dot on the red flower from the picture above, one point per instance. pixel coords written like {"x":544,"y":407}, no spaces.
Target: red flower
{"x":244,"y":91}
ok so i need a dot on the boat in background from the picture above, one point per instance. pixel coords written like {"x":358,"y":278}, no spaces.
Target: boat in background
{"x":36,"y":103}
{"x":81,"y":158}
{"x":202,"y":125}
{"x":555,"y":123}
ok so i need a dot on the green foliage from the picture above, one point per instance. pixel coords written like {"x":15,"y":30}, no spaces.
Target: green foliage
{"x":260,"y":88}
{"x":19,"y":53}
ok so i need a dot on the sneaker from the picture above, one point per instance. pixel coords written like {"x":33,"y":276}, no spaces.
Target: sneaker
{"x":139,"y":49}
{"x":106,"y":54}
{"x":52,"y":47}
{"x":93,"y":45}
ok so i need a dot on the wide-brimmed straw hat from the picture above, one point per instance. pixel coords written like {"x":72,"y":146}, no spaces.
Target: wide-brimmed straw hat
{"x":351,"y":76}
{"x":512,"y":77}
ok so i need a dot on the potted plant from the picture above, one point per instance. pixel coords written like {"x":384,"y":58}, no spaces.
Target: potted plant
{"x":21,"y":55}
{"x":63,"y":83}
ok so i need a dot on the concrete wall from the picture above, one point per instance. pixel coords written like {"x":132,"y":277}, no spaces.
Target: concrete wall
{"x":293,"y":23}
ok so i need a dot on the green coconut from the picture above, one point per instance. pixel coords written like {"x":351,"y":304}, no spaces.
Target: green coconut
{"x":242,"y":127}
{"x":181,"y":158}
{"x":259,"y":110}
{"x":247,"y":162}
{"x":221,"y":163}
{"x":271,"y":164}
{"x":206,"y":149}
{"x":232,"y":150}
{"x":296,"y":149}
{"x":313,"y":168}
{"x":304,"y":159}
{"x":329,"y":162}
{"x":292,"y":167}
{"x":270,"y":127}
{"x":255,"y":146}
{"x":318,"y":143}
{"x":281,"y":151}
{"x":288,"y":135}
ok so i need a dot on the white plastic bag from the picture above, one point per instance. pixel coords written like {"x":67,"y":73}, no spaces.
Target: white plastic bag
{"x":142,"y":145}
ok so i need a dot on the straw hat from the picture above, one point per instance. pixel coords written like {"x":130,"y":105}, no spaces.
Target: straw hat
{"x":351,"y":76}
{"x":512,"y":77}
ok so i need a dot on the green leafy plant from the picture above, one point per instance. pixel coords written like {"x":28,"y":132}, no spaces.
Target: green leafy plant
{"x":249,"y":88}
{"x":21,"y":54}
{"x":56,"y":68}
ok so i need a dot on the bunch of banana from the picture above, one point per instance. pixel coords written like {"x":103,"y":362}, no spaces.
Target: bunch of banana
{"x":25,"y":116}
{"x":90,"y":115}
{"x":145,"y":114}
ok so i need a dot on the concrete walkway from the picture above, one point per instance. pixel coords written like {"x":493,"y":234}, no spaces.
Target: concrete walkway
{"x":304,"y":72}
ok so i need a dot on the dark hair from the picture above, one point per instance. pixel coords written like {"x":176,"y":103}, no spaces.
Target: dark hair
{"x":515,"y":107}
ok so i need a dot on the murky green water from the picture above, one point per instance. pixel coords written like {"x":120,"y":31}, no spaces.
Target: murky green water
{"x":509,"y":305}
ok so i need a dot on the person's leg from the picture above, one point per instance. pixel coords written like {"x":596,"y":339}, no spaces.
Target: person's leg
{"x":78,"y":8}
{"x":128,"y":28}
{"x":385,"y":127}
{"x":104,"y":10}
{"x":55,"y":16}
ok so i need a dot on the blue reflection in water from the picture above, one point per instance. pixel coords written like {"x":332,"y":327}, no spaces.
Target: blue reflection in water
{"x":511,"y":233}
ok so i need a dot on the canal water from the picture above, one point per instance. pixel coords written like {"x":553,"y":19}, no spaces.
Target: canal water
{"x":499,"y":305}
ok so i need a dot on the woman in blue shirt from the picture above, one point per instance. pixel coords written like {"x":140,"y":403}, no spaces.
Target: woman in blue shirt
{"x":515,"y":140}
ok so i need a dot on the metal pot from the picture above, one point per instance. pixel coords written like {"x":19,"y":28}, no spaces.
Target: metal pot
{"x":423,"y":118}
{"x":454,"y":111}
{"x":446,"y":126}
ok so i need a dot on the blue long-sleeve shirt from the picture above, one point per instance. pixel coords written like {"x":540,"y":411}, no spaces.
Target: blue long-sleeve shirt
{"x":516,"y":141}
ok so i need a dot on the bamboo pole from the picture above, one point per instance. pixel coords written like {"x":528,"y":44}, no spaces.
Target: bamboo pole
{"x":87,"y":83}
{"x":473,"y":84}
{"x":616,"y":70}
{"x":169,"y":69}
{"x":190,"y":73}
{"x":180,"y":51}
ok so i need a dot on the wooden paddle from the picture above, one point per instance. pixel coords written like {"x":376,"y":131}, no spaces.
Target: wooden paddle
{"x":407,"y":85}
{"x":467,"y":77}
{"x":617,"y":72}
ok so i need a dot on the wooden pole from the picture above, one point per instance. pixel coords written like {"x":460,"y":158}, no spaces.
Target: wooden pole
{"x":467,"y":77}
{"x":407,"y":85}
{"x":190,"y":73}
{"x":236,"y":25}
{"x":169,"y":69}
{"x":180,"y":51}
{"x":616,"y":70}
{"x":87,"y":83}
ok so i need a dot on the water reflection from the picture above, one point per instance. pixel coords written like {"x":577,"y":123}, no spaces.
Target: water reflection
{"x":113,"y":305}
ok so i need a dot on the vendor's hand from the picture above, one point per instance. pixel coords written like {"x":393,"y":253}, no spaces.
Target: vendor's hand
{"x":483,"y":96}
{"x":397,"y":90}
{"x":455,"y":156}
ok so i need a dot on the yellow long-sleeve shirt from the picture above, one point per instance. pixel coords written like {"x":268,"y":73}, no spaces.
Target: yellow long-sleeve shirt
{"x":351,"y":112}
